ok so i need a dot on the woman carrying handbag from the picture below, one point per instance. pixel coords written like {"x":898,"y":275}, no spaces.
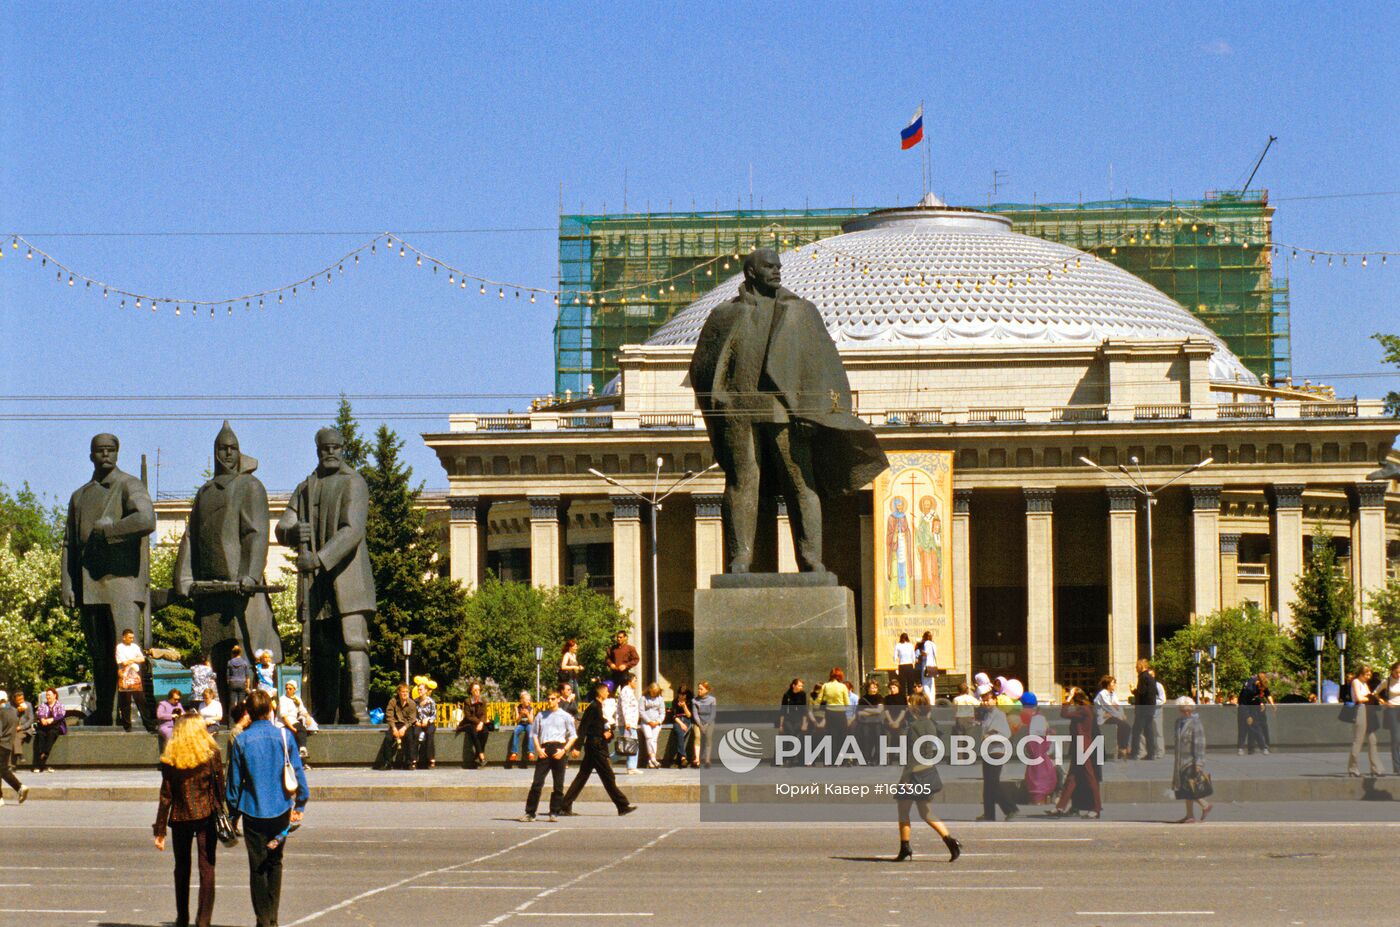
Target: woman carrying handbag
{"x":1190,"y":781}
{"x":192,"y":805}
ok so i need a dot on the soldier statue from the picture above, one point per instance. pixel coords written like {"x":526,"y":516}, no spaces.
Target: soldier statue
{"x":105,"y":569}
{"x":222,"y":557}
{"x":325,"y":523}
{"x":777,"y":406}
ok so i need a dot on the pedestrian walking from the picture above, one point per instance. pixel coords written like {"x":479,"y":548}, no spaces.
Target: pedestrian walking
{"x":425,"y":728}
{"x":552,"y":735}
{"x":629,"y":720}
{"x":236,"y":673}
{"x":192,"y":793}
{"x":129,"y":686}
{"x":1083,"y":775}
{"x":1249,"y":720}
{"x":706,"y":711}
{"x":1389,"y":696}
{"x":653,"y":715}
{"x":1190,"y":781}
{"x":520,"y":734}
{"x":263,"y":762}
{"x":1144,"y":704}
{"x":904,"y":657}
{"x":593,"y":731}
{"x":920,"y":781}
{"x":1363,"y":710}
{"x":10,"y":745}
{"x":1110,"y":713}
{"x":994,"y":726}
{"x":49,"y":724}
{"x":682,"y":720}
{"x":475,"y":728}
{"x":1041,"y":773}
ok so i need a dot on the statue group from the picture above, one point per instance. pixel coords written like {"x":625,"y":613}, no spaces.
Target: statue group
{"x":221,"y":569}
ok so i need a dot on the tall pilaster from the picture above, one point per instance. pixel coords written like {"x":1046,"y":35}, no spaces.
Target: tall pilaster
{"x":962,"y":581}
{"x":1122,"y":582}
{"x":1368,"y":543}
{"x":867,"y":590}
{"x":546,"y":541}
{"x":1287,"y":543}
{"x":787,"y":550}
{"x":709,"y":537}
{"x":1205,"y":549}
{"x":628,"y":550}
{"x":1229,"y":570}
{"x":466,"y":541}
{"x":1040,"y":590}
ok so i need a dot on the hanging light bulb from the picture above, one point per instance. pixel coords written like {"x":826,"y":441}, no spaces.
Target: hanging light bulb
{"x":328,"y":275}
{"x":709,"y":271}
{"x":420,"y":260}
{"x":29,"y":255}
{"x":1295,"y":254}
{"x":177,"y":309}
{"x":1113,"y":250}
{"x":123,"y":303}
{"x":1363,"y":260}
{"x":1193,"y":226}
{"x":14,"y":242}
{"x":501,"y":293}
{"x":372,"y":249}
{"x":294,"y":291}
{"x":104,"y":292}
{"x":483,"y":289}
{"x":451,"y":279}
{"x":1383,"y":260}
{"x":357,"y":259}
{"x":138,"y":303}
{"x":230,"y":312}
{"x":70,"y":279}
{"x":313,"y":284}
{"x":673,"y":286}
{"x":246,"y":307}
{"x":1329,"y":260}
{"x":340,"y":267}
{"x":726,"y":265}
{"x":1312,"y":259}
{"x":401,"y":251}
{"x":279,"y":297}
{"x":260,"y":303}
{"x":556,"y":299}
{"x":463,"y":283}
{"x":1344,"y":260}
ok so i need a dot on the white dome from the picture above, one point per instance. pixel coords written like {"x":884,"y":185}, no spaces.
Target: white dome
{"x":867,"y":285}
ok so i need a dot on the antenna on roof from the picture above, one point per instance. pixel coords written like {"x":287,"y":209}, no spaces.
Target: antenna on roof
{"x":1272,"y":139}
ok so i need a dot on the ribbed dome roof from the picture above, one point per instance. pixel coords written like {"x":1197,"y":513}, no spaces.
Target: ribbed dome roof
{"x":866,"y":284}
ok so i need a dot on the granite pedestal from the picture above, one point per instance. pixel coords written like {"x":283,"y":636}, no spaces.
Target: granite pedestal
{"x":755,"y":631}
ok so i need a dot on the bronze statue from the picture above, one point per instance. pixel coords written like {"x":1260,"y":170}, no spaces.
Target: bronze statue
{"x":325,"y":521}
{"x":777,"y":406}
{"x":106,"y":564}
{"x":222,"y":559}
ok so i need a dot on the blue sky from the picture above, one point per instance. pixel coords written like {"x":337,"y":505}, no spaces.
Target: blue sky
{"x":351,"y":117}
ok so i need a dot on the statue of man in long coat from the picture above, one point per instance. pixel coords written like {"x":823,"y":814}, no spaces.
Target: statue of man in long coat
{"x":106,"y":563}
{"x":777,"y":405}
{"x":325,"y":521}
{"x":222,"y":559}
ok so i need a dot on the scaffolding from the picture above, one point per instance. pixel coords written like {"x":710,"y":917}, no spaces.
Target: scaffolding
{"x":1213,"y":255}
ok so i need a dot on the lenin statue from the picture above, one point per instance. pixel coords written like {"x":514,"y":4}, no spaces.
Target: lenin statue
{"x":106,"y":564}
{"x":777,"y":406}
{"x":325,"y":522}
{"x":222,"y":558}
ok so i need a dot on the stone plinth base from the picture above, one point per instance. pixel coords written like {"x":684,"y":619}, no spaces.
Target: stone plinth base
{"x":750,"y":641}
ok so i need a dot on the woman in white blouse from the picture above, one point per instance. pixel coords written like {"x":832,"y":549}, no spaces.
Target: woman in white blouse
{"x":904,"y":661}
{"x":653,"y":716}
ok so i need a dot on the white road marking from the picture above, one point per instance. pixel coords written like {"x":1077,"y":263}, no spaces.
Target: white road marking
{"x":66,"y":868}
{"x":521,"y":909}
{"x":977,"y":888}
{"x":422,"y":875}
{"x":477,"y":888}
{"x":16,"y":885}
{"x":586,"y":914}
{"x":49,"y":911}
{"x":1037,"y":839}
{"x":1140,"y":913}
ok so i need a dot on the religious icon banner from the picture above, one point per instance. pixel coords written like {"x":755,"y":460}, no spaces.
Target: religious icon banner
{"x":913,"y":554}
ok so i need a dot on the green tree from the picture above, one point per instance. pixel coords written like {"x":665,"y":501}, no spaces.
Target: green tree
{"x":1390,"y":345}
{"x":29,"y":521}
{"x":414,"y":599}
{"x":1378,"y":643}
{"x":173,"y":626}
{"x":1247,"y":642}
{"x":505,"y":622}
{"x":355,"y":450}
{"x":1323,"y":604}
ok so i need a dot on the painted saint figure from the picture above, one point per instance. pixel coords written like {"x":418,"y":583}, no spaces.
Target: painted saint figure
{"x":222,"y":558}
{"x":899,"y":550}
{"x":106,"y":564}
{"x":928,"y":539}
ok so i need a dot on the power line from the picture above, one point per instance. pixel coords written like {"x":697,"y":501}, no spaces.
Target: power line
{"x":278,"y":233}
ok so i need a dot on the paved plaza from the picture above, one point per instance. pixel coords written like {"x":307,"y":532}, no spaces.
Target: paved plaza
{"x":471,"y":864}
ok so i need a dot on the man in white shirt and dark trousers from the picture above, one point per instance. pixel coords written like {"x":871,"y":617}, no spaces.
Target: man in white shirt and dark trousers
{"x":552,"y":735}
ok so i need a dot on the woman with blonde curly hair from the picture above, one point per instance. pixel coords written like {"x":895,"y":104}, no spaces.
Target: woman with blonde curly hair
{"x":191,"y":795}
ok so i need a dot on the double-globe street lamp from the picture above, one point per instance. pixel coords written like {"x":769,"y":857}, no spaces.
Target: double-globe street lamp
{"x":1135,"y":480}
{"x":653,"y":503}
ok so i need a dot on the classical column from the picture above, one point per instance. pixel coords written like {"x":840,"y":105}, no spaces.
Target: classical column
{"x":466,"y":544}
{"x":546,"y":541}
{"x":867,"y":591}
{"x":1229,"y":570}
{"x":1122,"y":584}
{"x":1287,"y":544}
{"x":1040,"y":590}
{"x":787,"y":551}
{"x":1205,"y":548}
{"x":1368,"y":543}
{"x":709,"y":537}
{"x":628,"y":549}
{"x":961,"y":539}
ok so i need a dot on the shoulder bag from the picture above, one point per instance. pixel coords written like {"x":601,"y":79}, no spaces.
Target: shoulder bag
{"x":289,"y":773}
{"x":223,"y":827}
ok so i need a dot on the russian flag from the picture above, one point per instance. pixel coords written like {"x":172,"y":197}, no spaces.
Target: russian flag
{"x":913,"y":133}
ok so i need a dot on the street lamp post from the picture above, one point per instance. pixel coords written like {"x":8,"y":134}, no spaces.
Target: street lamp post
{"x":1342,"y":657}
{"x":539,"y":657}
{"x":1319,"y":641}
{"x":1138,"y":483}
{"x":653,"y":506}
{"x":1214,"y":692}
{"x":1196,"y":656}
{"x":407,"y":652}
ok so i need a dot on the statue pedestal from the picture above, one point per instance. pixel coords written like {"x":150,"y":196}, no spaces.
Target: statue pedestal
{"x":755,"y":631}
